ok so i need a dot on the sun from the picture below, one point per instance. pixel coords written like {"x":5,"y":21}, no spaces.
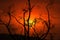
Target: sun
{"x":31,"y":23}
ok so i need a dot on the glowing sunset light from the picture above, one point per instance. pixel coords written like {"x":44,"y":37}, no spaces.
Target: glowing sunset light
{"x":30,"y":19}
{"x":31,"y":23}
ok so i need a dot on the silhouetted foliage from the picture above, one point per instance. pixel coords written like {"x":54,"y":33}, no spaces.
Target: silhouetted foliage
{"x":36,"y":35}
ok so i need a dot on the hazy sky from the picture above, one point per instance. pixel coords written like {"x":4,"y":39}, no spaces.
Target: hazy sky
{"x":19,"y":5}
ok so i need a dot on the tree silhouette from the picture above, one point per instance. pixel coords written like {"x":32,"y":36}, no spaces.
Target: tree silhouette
{"x":37,"y":36}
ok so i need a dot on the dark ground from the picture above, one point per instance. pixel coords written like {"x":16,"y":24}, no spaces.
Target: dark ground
{"x":16,"y":37}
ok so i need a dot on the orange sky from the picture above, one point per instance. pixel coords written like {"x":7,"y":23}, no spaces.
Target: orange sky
{"x":39,"y":9}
